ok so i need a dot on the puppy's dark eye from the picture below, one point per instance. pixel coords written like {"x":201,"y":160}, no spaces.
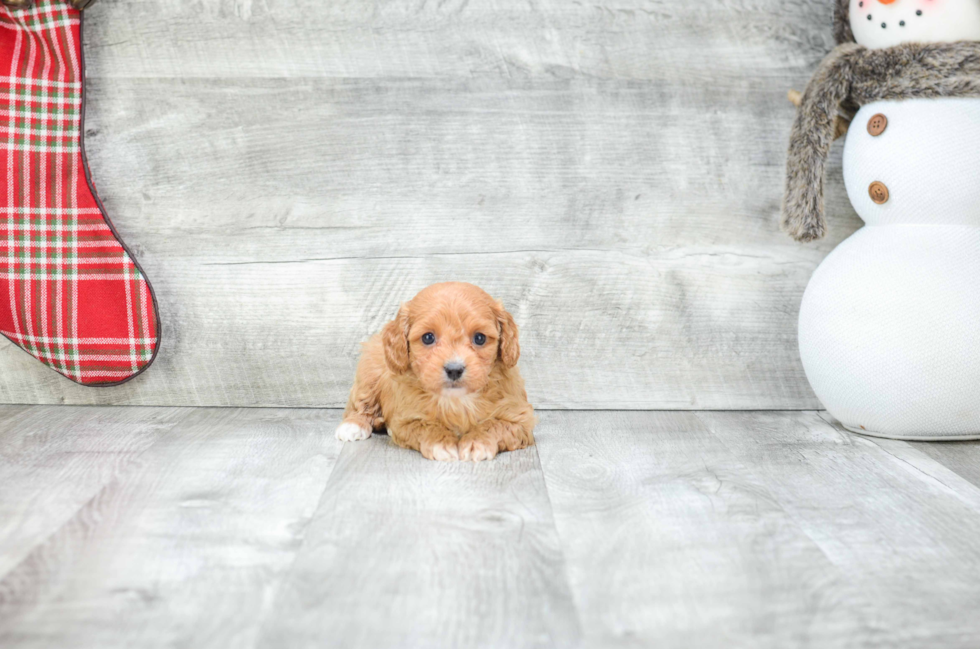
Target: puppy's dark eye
{"x":479,"y":340}
{"x":428,"y":338}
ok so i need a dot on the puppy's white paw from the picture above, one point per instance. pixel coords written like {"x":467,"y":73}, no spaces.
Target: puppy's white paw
{"x":476,"y":449}
{"x":348,"y":431}
{"x":443,"y":450}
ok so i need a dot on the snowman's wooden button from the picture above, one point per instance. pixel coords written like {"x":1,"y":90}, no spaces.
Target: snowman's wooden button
{"x":878,"y":192}
{"x":877,"y":124}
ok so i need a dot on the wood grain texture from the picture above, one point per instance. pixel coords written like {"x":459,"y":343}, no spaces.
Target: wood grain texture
{"x":253,"y":528}
{"x":288,"y":171}
{"x":963,"y":458}
{"x":54,"y":460}
{"x":902,"y":528}
{"x":946,"y":461}
{"x":424,"y":39}
{"x":407,"y":552}
{"x":185,"y":550}
{"x":672,"y":541}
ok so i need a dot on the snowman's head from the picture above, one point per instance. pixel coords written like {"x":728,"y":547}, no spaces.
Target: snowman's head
{"x":884,"y":23}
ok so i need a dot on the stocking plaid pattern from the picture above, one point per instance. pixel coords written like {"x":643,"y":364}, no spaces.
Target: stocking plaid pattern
{"x":70,"y":293}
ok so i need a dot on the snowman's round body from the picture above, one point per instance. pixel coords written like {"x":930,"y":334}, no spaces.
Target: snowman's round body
{"x":890,"y":322}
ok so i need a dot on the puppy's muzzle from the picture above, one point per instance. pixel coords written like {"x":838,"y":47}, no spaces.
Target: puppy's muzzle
{"x":454,"y":370}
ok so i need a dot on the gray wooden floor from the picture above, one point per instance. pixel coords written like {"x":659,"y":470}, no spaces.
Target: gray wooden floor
{"x":169,"y":527}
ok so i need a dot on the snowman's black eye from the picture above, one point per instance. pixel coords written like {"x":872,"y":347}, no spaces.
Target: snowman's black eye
{"x":918,"y":12}
{"x":479,"y":339}
{"x":860,"y":4}
{"x":428,"y":338}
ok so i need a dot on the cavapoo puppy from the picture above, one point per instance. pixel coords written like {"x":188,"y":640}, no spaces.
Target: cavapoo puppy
{"x":442,"y":377}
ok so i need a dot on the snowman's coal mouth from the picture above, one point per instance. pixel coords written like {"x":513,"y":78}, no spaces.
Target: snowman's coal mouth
{"x":884,"y":24}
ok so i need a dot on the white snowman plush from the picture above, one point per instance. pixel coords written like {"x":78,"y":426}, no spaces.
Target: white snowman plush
{"x":889,"y":326}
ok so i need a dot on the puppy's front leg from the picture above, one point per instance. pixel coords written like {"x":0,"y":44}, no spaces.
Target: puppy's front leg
{"x":492,"y":436}
{"x":434,"y":441}
{"x":363,"y":413}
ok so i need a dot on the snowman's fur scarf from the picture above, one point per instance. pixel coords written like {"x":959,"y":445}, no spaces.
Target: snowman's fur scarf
{"x":842,"y":22}
{"x":849,"y":77}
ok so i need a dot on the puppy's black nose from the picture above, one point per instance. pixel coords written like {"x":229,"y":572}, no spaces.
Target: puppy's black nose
{"x":454,"y":370}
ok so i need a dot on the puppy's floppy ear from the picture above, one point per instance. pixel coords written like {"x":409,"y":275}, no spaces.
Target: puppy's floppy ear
{"x":395,"y":339}
{"x":510,"y":346}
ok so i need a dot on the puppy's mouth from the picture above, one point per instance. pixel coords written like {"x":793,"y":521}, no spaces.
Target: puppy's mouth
{"x":454,"y":389}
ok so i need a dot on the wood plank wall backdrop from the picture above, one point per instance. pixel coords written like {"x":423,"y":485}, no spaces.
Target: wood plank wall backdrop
{"x":287,"y":171}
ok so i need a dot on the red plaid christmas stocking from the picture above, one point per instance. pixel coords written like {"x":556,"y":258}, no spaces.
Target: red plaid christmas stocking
{"x":71,"y":295}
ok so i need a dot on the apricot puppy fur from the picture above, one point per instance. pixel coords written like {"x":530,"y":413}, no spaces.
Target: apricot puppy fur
{"x":442,"y":377}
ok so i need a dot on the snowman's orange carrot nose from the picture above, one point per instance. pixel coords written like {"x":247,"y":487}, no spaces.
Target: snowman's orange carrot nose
{"x":886,"y":2}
